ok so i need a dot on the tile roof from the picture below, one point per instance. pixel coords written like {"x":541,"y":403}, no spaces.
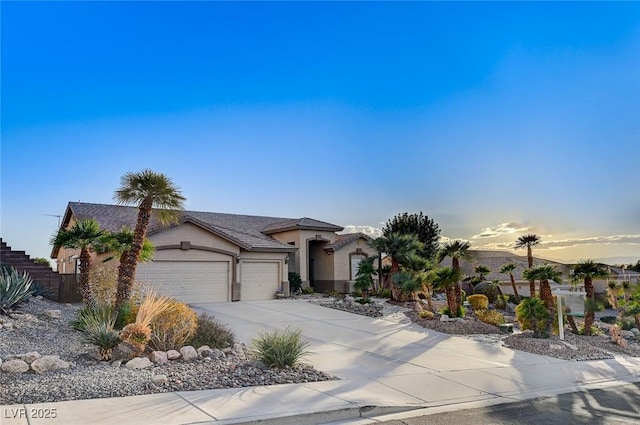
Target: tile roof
{"x":344,"y":240}
{"x":304,"y":223}
{"x":249,"y":232}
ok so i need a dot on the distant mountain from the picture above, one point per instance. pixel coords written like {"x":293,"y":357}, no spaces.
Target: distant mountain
{"x":617,"y":260}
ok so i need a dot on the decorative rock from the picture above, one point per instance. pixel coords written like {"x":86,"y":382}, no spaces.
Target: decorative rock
{"x":556,"y":347}
{"x":30,"y":357}
{"x":349,"y":299}
{"x":444,"y":318}
{"x":159,"y":379}
{"x":204,"y":351}
{"x":227,"y":350}
{"x":158,"y":357}
{"x":8,"y":326}
{"x":48,"y":363}
{"x":627,"y":334}
{"x":173,"y":355}
{"x":139,"y":363}
{"x":188,"y":353}
{"x":216,"y":353}
{"x":125,"y":351}
{"x":116,"y":363}
{"x":53,"y":314}
{"x":506,"y":328}
{"x":635,"y":331}
{"x":15,"y":366}
{"x":571,"y":346}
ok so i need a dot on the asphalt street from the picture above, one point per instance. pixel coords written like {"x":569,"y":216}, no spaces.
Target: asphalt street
{"x":611,"y":406}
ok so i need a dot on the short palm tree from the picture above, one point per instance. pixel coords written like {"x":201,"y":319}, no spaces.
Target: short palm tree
{"x":528,"y":241}
{"x":399,"y":248}
{"x":364,"y":276}
{"x":148,"y":190}
{"x":544,"y":274}
{"x":457,"y":250}
{"x":447,"y":278}
{"x":508,"y":269}
{"x":482,"y":272}
{"x":587,"y":270}
{"x":83,"y":235}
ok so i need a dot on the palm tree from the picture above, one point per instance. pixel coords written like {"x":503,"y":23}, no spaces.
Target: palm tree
{"x":399,"y":248}
{"x":83,"y":235}
{"x":149,"y":190}
{"x":447,"y":278}
{"x":364,"y":276}
{"x":587,"y":270}
{"x":528,"y":241}
{"x":457,"y":250}
{"x":508,"y":269}
{"x":119,"y":243}
{"x":482,"y":272}
{"x":544,"y":274}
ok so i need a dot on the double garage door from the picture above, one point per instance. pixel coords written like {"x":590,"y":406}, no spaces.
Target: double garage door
{"x":188,"y":281}
{"x":209,"y":281}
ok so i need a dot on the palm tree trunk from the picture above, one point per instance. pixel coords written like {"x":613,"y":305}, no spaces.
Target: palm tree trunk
{"x":515,"y":289}
{"x":455,"y":265}
{"x":572,"y":324}
{"x":129,"y":260}
{"x":532,"y":283}
{"x":428,"y":296}
{"x":545,"y":294}
{"x":84,"y":283}
{"x":451,"y":300}
{"x":395,"y":291}
{"x":590,"y":315}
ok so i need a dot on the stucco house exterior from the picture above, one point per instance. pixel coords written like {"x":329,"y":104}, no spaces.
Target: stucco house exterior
{"x":217,"y":257}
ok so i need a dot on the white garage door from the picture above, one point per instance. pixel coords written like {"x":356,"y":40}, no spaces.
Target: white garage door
{"x":260,"y":281}
{"x":188,"y":281}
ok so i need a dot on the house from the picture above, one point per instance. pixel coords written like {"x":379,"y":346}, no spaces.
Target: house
{"x":216,"y":257}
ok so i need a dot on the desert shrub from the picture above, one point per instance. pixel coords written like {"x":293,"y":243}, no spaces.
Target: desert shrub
{"x":137,"y":333}
{"x":87,"y":317}
{"x":308,"y":290}
{"x":357,"y":293}
{"x":151,"y":306}
{"x":15,"y":288}
{"x":532,"y":314}
{"x":126,"y":314}
{"x":491,"y":317}
{"x":594,"y":330}
{"x":212,"y":333}
{"x":626,"y":323}
{"x":104,"y":283}
{"x":462,"y":311}
{"x":103,"y":336}
{"x":280,"y":348}
{"x":426,"y":314}
{"x":172,"y":328}
{"x":363,"y":301}
{"x":384,"y":293}
{"x":478,"y":302}
{"x":38,"y":289}
{"x":488,"y":289}
{"x":295,"y":282}
{"x":609,"y":319}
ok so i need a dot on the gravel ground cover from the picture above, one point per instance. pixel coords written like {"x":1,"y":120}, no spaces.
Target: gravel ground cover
{"x":31,"y":330}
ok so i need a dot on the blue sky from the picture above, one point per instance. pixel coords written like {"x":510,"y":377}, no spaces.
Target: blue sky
{"x":495,"y":119}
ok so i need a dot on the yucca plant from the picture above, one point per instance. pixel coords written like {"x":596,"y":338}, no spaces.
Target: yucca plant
{"x":103,"y":336}
{"x":88,"y":317}
{"x":15,"y":288}
{"x":280,"y":348}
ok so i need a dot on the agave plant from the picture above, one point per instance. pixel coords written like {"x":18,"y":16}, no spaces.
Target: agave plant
{"x":103,"y":336}
{"x":15,"y":288}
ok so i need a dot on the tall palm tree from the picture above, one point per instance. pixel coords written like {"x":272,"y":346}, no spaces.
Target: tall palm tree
{"x":149,"y":190}
{"x":83,"y":235}
{"x":587,"y":270}
{"x":508,"y":269}
{"x":527,"y":241}
{"x":447,"y":278}
{"x":457,"y":250}
{"x":400,"y":248}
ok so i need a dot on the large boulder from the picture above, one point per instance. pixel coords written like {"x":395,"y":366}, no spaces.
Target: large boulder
{"x":15,"y":366}
{"x":188,"y":353}
{"x":139,"y":363}
{"x":126,"y":351}
{"x":48,"y":363}
{"x":158,"y":357}
{"x":30,"y":357}
{"x":204,"y":351}
{"x":173,"y":355}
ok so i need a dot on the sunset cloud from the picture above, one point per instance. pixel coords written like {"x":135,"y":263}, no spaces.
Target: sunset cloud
{"x":571,"y":242}
{"x":501,"y":229}
{"x":374,"y":232}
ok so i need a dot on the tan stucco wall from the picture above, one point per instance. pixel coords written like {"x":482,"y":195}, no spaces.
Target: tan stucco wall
{"x":342,"y":264}
{"x":301,"y":237}
{"x":195,"y":235}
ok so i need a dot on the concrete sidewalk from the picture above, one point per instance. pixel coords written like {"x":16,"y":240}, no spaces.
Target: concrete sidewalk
{"x":384,"y":367}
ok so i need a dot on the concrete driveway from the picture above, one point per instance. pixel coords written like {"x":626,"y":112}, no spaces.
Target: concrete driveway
{"x":383,"y":363}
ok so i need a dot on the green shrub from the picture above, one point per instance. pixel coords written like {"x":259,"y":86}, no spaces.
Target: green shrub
{"x":609,"y":319}
{"x":532,"y":314}
{"x":173,"y":327}
{"x":212,"y":333}
{"x":486,"y":288}
{"x":280,"y":348}
{"x":127,"y":314}
{"x":15,"y":288}
{"x":363,"y":301}
{"x":357,"y":293}
{"x":332,"y":293}
{"x":626,"y":323}
{"x":426,"y":314}
{"x":295,"y":282}
{"x":383,"y":293}
{"x":38,"y":289}
{"x":491,"y":317}
{"x":104,"y":336}
{"x":86,"y":317}
{"x":462,"y":311}
{"x":478,"y":302}
{"x":308,"y":290}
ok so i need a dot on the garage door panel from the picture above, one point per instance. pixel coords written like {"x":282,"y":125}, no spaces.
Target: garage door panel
{"x":260,"y":280}
{"x":188,"y":281}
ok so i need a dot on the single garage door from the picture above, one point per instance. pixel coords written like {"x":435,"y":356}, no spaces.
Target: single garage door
{"x":260,"y":281}
{"x":188,"y":281}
